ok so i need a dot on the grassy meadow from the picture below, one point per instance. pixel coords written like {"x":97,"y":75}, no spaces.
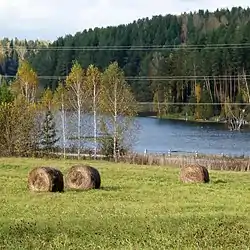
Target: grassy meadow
{"x":138,"y":207}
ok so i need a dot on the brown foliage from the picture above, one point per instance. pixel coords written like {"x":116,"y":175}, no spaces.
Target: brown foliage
{"x":17,"y":126}
{"x":46,"y":179}
{"x":210,"y":162}
{"x":83,"y":178}
{"x":194,"y":174}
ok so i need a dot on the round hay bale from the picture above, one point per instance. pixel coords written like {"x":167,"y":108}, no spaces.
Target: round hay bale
{"x":81,"y":177}
{"x":194,"y":174}
{"x":45,"y":179}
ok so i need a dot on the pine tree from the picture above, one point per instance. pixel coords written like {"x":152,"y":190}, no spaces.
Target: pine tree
{"x":48,"y":135}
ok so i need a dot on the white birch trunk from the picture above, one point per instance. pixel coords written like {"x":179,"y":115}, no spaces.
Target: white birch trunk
{"x":63,"y":129}
{"x":95,"y":121}
{"x":115,"y":121}
{"x":79,"y":127}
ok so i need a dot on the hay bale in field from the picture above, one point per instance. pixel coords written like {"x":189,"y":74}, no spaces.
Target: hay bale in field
{"x":46,"y":179}
{"x":194,"y":174}
{"x":81,"y":177}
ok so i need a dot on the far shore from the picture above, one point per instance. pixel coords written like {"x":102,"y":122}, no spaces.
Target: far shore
{"x":188,"y":120}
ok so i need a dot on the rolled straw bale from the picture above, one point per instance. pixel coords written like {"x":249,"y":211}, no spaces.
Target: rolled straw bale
{"x":83,"y":177}
{"x":46,"y":179}
{"x":194,"y":174}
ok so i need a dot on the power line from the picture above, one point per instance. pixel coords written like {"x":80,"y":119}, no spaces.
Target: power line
{"x":194,"y":103}
{"x":210,"y":45}
{"x":182,"y":78}
{"x":158,"y":78}
{"x":149,"y":46}
{"x":136,"y":47}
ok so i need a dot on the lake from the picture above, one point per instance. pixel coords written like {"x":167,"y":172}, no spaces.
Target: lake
{"x":161,"y":135}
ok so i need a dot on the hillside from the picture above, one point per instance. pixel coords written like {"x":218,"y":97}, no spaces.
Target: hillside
{"x":176,"y":64}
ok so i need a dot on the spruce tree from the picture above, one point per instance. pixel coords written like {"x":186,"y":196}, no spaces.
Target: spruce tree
{"x":48,"y":135}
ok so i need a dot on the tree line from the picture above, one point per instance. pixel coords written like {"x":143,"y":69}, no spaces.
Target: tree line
{"x":100,"y":105}
{"x":173,"y":64}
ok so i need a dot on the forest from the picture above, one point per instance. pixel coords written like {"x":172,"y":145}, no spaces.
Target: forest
{"x":181,"y":64}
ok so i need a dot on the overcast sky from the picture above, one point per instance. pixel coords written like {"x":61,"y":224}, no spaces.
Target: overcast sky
{"x":49,"y":19}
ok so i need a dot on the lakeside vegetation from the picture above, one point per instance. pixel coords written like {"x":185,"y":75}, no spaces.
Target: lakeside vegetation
{"x":191,"y":118}
{"x":137,"y":207}
{"x":27,"y":116}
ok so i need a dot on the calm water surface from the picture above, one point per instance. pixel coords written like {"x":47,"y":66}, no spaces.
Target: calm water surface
{"x":158,"y":135}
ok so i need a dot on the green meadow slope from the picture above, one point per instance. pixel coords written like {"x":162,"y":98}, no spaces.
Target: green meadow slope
{"x":136,"y":208}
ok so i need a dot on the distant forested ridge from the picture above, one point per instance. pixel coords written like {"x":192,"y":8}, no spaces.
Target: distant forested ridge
{"x":184,"y":69}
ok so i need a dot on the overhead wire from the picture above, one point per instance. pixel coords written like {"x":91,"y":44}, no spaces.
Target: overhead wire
{"x":158,"y":78}
{"x":195,"y":103}
{"x":53,"y":47}
{"x":154,"y":78}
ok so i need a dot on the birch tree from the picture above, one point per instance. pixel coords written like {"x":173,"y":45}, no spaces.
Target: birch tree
{"x":238,"y":114}
{"x":2,"y":53}
{"x":47,"y":99}
{"x":27,"y":82}
{"x":94,"y":83}
{"x":21,"y":50}
{"x":118,"y":104}
{"x":75,"y":83}
{"x":60,"y":98}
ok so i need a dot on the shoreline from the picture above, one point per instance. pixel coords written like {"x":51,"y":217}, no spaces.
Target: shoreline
{"x":169,"y":155}
{"x":187,"y":120}
{"x":199,"y":121}
{"x":212,"y":162}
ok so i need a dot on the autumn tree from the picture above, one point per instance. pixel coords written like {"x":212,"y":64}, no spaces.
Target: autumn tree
{"x":21,"y":50}
{"x":198,"y":93}
{"x":78,"y":94}
{"x":47,"y":99}
{"x":27,"y":82}
{"x":18,"y":128}
{"x":2,"y":54}
{"x":93,"y":80}
{"x":118,"y":104}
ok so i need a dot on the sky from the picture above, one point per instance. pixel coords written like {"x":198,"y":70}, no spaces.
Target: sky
{"x":50,"y":19}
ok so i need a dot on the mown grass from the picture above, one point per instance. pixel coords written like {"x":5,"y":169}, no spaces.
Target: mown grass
{"x":137,"y":208}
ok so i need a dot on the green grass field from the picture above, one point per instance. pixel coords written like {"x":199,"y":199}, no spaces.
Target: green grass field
{"x":137,"y":208}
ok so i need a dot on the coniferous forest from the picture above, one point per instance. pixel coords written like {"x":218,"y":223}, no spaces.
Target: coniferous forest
{"x":199,"y":57}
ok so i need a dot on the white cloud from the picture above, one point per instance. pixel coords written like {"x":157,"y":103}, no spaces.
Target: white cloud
{"x":49,"y":19}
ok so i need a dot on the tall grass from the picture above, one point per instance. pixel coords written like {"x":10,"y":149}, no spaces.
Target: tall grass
{"x":210,"y":162}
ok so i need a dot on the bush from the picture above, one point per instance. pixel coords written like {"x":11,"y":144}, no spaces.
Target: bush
{"x":17,"y":124}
